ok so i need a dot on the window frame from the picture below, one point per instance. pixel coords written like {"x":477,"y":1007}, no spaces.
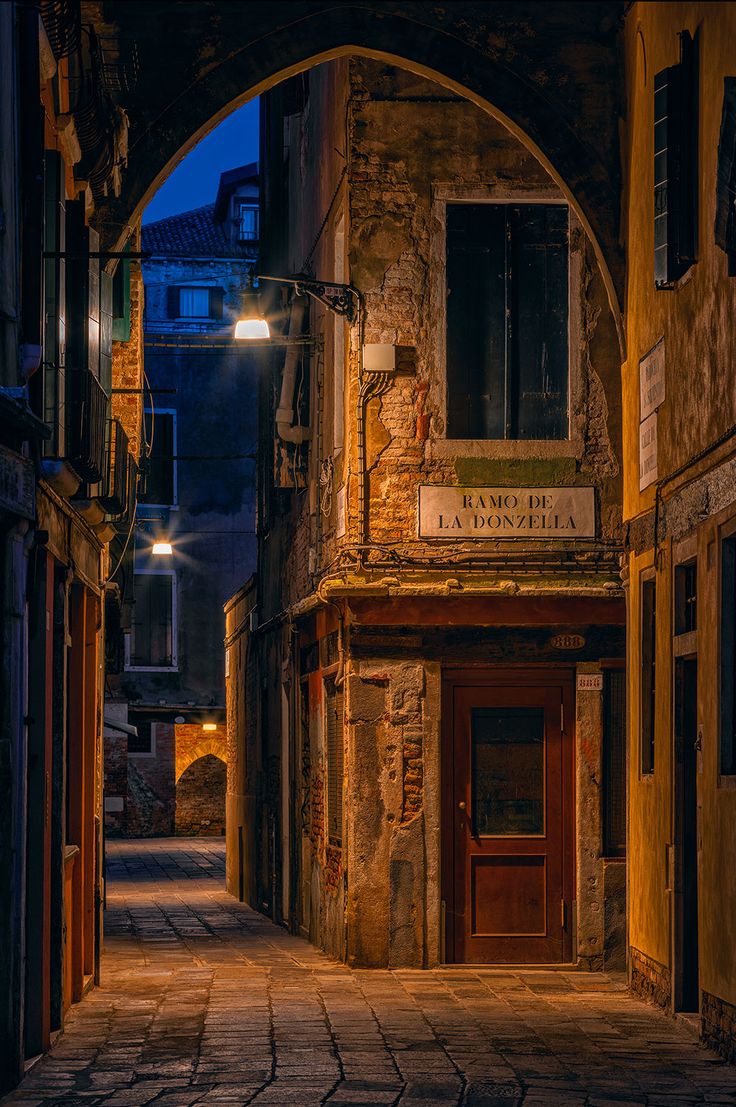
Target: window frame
{"x":151,"y":751}
{"x":174,"y":667}
{"x":440,"y":446}
{"x":250,"y":206}
{"x":194,"y":288}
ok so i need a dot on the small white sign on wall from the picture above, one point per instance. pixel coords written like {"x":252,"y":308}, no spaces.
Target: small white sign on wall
{"x":651,"y":381}
{"x":648,"y":452}
{"x":590,"y":682}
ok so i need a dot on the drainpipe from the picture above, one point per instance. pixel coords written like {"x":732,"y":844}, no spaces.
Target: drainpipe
{"x":285,"y":429}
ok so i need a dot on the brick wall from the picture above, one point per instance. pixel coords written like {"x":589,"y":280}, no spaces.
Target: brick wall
{"x":127,"y":361}
{"x":191,"y":743}
{"x":718,"y":1025}
{"x":200,"y":798}
{"x":649,"y":979}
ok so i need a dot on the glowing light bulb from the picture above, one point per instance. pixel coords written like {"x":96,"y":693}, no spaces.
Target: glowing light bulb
{"x":162,"y":549}
{"x":254,"y":327}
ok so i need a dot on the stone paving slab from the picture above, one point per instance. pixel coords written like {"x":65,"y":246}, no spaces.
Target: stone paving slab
{"x":205,"y":1002}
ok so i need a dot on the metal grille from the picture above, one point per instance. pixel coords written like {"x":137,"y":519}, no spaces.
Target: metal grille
{"x":335,"y":761}
{"x":614,"y":763}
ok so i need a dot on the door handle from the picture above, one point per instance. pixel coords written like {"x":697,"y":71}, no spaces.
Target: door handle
{"x":462,"y":805}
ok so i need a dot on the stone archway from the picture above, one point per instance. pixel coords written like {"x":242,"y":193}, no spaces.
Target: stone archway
{"x":200,"y":798}
{"x":550,"y":74}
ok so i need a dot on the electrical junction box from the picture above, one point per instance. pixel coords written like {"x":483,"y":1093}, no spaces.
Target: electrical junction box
{"x":379,"y":357}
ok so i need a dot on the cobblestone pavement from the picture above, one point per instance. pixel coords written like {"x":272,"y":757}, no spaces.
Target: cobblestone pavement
{"x":203,"y":1001}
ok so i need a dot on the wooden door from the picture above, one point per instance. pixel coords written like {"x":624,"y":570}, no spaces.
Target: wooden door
{"x":509,"y":818}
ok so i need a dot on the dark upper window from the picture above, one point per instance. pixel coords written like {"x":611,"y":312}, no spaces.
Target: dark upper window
{"x":686,"y":597}
{"x":725,"y":228}
{"x":507,"y":321}
{"x":675,"y":166}
{"x":143,"y":743}
{"x":160,"y":466}
{"x":647,"y":645}
{"x":247,"y":222}
{"x":152,"y":643}
{"x":728,"y":656}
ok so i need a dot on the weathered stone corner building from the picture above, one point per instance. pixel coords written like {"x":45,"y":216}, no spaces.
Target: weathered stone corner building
{"x":435,"y":730}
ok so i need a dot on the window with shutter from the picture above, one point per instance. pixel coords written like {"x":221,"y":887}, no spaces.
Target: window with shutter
{"x":507,"y":321}
{"x":160,"y":482}
{"x":153,"y":624}
{"x":335,"y":760}
{"x":725,"y":225}
{"x":675,"y":166}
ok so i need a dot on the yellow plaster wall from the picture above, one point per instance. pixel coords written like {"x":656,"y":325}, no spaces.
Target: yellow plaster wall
{"x":650,"y":808}
{"x":717,"y":799}
{"x":696,"y":319}
{"x":697,"y":316}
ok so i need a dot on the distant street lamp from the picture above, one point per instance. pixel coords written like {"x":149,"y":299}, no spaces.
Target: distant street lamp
{"x":209,"y":726}
{"x":162,"y":549}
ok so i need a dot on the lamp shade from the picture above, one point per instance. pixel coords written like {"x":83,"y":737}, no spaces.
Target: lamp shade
{"x":251,"y":323}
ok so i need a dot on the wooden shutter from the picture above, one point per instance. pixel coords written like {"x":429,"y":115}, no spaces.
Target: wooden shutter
{"x":172,"y":301}
{"x":476,"y":327}
{"x":675,"y":166}
{"x":153,"y":620}
{"x":160,"y":465}
{"x":537,"y":294}
{"x":216,"y":302}
{"x":725,"y":223}
{"x":335,"y":761}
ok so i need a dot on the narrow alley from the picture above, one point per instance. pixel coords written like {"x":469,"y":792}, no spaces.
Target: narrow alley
{"x":205,"y":1001}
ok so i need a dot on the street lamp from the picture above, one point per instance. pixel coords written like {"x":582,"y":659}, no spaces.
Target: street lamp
{"x":162,"y":549}
{"x":341,"y":299}
{"x":252,"y":323}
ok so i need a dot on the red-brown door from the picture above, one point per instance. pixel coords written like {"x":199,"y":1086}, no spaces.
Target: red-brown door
{"x":509,"y":801}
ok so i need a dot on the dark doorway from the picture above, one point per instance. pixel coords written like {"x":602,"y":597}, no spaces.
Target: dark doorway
{"x":686,"y":985}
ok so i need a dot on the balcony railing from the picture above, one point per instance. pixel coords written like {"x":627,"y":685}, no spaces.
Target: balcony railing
{"x":114,"y":496}
{"x":87,"y":416}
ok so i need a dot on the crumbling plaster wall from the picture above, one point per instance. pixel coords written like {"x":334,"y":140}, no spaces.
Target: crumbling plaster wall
{"x":392,"y":813}
{"x":412,"y":142}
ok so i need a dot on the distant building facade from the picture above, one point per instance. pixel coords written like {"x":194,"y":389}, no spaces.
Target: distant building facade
{"x":197,"y":493}
{"x":426,"y":686}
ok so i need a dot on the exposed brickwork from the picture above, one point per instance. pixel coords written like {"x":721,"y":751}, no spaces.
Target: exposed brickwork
{"x":333,"y":868}
{"x":127,"y":361}
{"x":413,"y":773}
{"x":317,"y":811}
{"x":192,"y":742}
{"x":649,"y":979}
{"x":200,"y":798}
{"x":718,"y":1025}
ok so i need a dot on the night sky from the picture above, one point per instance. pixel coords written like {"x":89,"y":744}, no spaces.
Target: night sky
{"x":195,"y":179}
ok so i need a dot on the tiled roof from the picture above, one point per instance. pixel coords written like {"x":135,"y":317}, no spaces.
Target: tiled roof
{"x":192,"y":232}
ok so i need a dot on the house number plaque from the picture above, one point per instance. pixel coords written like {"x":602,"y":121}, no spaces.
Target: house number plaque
{"x":452,"y":511}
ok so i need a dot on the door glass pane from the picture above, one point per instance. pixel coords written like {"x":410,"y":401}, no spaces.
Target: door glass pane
{"x":507,"y":788}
